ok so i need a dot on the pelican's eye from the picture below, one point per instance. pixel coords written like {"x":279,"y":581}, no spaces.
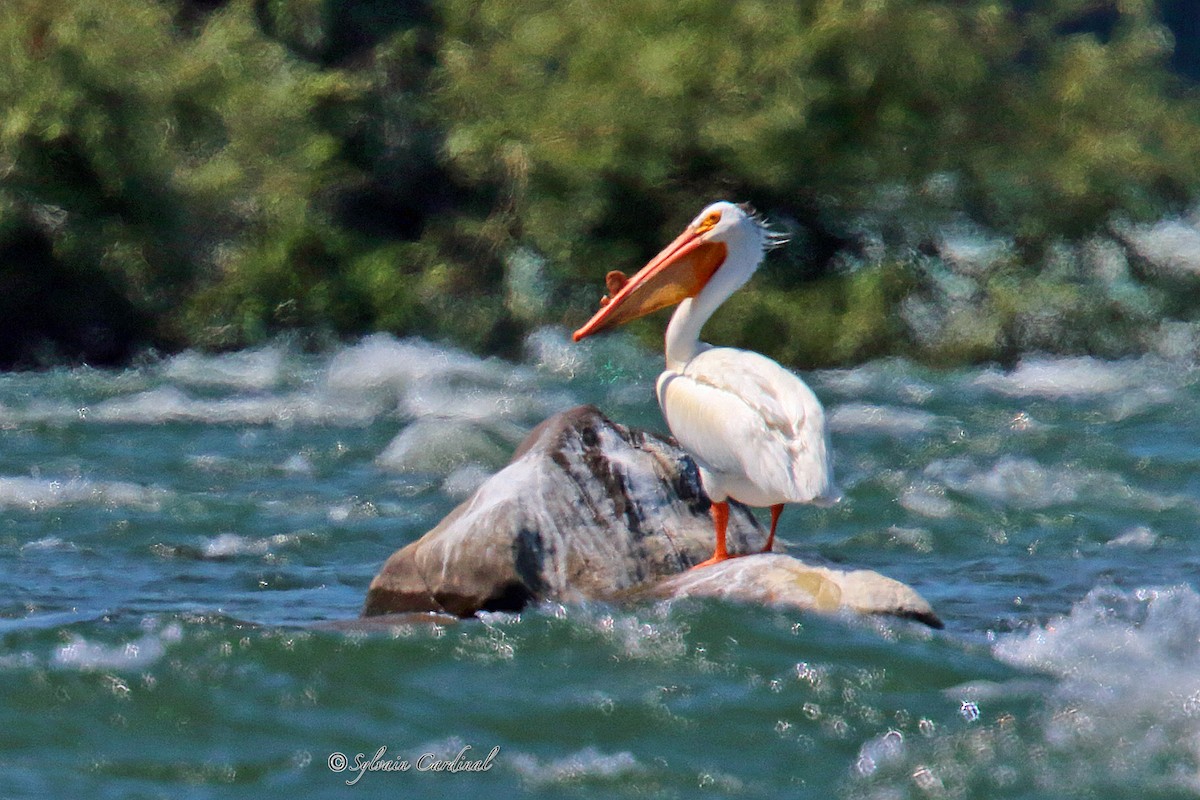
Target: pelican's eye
{"x":709,"y":222}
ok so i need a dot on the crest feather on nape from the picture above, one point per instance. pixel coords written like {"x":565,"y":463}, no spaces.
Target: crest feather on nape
{"x":775,"y":238}
{"x":772,"y":237}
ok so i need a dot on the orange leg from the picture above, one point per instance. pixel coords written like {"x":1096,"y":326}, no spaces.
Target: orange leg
{"x":720,"y":515}
{"x":776,"y":510}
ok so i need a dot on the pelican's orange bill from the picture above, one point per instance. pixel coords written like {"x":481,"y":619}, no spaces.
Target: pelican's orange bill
{"x":679,"y":271}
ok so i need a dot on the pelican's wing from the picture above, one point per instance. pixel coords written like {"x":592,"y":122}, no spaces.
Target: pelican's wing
{"x":743,"y":415}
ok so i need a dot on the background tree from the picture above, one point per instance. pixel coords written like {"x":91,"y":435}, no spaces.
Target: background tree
{"x":212,"y":172}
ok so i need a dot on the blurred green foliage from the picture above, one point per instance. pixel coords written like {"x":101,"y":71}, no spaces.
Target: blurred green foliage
{"x":597,"y":115}
{"x":153,"y":166}
{"x":211,"y":172}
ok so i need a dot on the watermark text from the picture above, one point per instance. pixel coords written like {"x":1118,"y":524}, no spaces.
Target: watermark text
{"x":362,"y":763}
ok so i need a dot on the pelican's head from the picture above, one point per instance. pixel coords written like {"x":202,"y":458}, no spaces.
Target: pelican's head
{"x":723,"y":219}
{"x":685,"y":266}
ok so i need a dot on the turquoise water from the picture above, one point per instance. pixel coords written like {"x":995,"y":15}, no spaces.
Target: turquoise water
{"x":174,"y":536}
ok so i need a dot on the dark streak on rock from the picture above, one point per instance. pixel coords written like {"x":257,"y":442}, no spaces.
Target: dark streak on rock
{"x":530,"y":557}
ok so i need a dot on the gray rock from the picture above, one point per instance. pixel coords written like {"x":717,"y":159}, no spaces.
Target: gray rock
{"x":779,"y":580}
{"x":586,"y":509}
{"x":591,"y":510}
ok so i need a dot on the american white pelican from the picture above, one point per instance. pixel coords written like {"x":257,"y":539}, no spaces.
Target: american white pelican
{"x":755,"y":430}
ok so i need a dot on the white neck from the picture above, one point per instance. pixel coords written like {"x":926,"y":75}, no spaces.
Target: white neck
{"x":744,"y":252}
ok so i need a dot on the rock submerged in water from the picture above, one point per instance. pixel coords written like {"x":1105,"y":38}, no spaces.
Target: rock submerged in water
{"x":779,"y":580}
{"x":591,"y":510}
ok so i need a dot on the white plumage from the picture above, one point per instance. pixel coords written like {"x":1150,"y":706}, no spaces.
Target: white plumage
{"x":756,"y":431}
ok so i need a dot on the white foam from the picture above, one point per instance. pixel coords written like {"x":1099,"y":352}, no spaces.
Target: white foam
{"x":1108,"y":705}
{"x":919,"y":539}
{"x":551,"y":350}
{"x":298,"y":464}
{"x":443,"y":446}
{"x":1076,"y":377}
{"x":40,"y":413}
{"x":615,"y":357}
{"x":590,"y":763}
{"x":887,"y":420}
{"x":1128,"y":668}
{"x":480,"y":404}
{"x":379,"y":376}
{"x":41,"y":493}
{"x":169,"y":404}
{"x":48,"y":543}
{"x":644,"y":639}
{"x":1132,"y":640}
{"x":1137,"y":538}
{"x":258,"y":369}
{"x":928,"y":501}
{"x":895,"y":378}
{"x":24,"y":660}
{"x":1021,"y":482}
{"x":230,"y":545}
{"x":427,"y":380}
{"x":383,"y":362}
{"x":83,"y":654}
{"x":1014,"y":481}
